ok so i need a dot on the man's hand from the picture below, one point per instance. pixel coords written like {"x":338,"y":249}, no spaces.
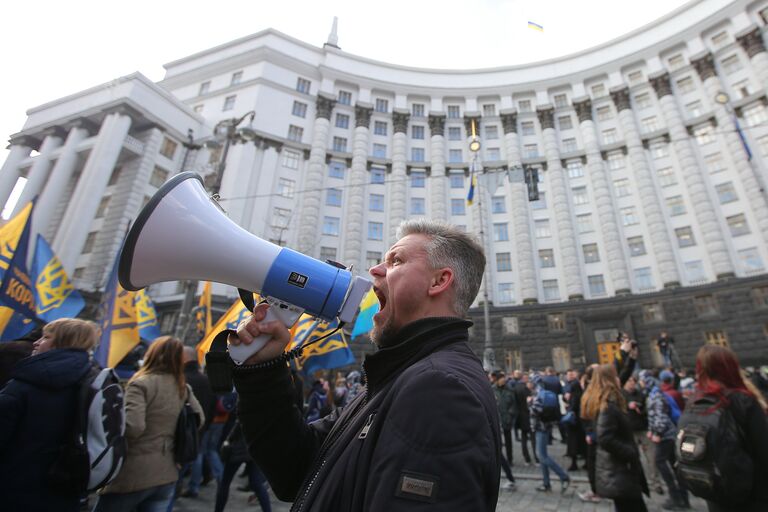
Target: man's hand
{"x":655,"y":438}
{"x":255,"y":326}
{"x":632,"y":405}
{"x":626,"y":345}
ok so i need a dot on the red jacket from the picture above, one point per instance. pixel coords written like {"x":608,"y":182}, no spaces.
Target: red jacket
{"x":672,"y":391}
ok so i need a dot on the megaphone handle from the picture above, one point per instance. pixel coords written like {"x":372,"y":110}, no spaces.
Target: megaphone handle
{"x":286,"y":313}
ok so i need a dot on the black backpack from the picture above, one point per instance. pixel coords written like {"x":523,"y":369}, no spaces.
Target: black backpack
{"x":186,"y":439}
{"x":712,"y":460}
{"x":551,"y":406}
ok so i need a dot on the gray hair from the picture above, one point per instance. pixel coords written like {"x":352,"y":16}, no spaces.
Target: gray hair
{"x":453,"y":248}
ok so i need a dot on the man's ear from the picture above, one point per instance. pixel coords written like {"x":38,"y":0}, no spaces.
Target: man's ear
{"x":442,"y":280}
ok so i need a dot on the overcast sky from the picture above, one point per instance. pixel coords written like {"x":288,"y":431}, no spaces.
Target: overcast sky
{"x":54,"y":48}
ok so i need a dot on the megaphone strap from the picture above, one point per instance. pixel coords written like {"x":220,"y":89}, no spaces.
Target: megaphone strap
{"x":246,"y":298}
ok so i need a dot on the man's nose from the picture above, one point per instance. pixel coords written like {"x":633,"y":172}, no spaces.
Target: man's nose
{"x":379,"y":270}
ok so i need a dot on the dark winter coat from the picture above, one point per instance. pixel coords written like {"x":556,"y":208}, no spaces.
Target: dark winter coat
{"x":523,"y":415}
{"x":506,"y":404}
{"x":37,"y":409}
{"x":618,"y":473}
{"x":201,"y":387}
{"x":424,"y":434}
{"x":638,"y":418}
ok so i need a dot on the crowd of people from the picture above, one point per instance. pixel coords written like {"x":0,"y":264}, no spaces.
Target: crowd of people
{"x":630,"y":427}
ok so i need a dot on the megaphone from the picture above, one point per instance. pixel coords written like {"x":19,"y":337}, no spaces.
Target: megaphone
{"x":182,"y":233}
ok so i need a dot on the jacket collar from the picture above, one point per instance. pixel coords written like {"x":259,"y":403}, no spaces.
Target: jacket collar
{"x":416,"y":340}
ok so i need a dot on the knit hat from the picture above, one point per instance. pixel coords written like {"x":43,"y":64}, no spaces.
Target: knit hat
{"x":667,"y":376}
{"x":648,"y":380}
{"x":536,"y":379}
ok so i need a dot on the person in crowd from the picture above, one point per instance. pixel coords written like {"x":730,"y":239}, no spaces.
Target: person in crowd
{"x":154,"y":398}
{"x":590,"y":434}
{"x":11,"y":353}
{"x":319,"y":403}
{"x":507,"y":404}
{"x":668,"y":387}
{"x":427,"y":428}
{"x":543,"y":430}
{"x":512,"y":381}
{"x":37,"y":415}
{"x":551,"y":381}
{"x":666,"y":343}
{"x":662,"y":431}
{"x":618,"y":472}
{"x":626,"y":359}
{"x":572,"y":394}
{"x":355,"y":385}
{"x":718,"y":375}
{"x":638,"y":420}
{"x":235,"y":454}
{"x":340,"y":391}
{"x":523,"y":391}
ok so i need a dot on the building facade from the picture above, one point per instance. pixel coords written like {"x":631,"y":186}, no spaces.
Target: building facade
{"x":652,"y":152}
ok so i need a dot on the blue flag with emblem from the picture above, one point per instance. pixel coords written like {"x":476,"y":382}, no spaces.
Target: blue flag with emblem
{"x":55,"y":295}
{"x":332,"y":352}
{"x":119,"y":322}
{"x":16,"y":315}
{"x":16,"y":291}
{"x":146,"y":316}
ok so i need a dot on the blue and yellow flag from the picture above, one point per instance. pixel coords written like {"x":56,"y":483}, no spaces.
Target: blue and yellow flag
{"x":16,"y":291}
{"x":203,"y":315}
{"x":13,"y":325}
{"x":535,"y":26}
{"x":368,"y":307}
{"x":229,"y":320}
{"x":332,"y":352}
{"x":9,"y":236}
{"x":119,"y":323}
{"x":472,"y":185}
{"x":146,"y":316}
{"x":55,"y":295}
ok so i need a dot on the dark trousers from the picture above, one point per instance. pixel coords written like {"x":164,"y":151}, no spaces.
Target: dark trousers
{"x":630,"y":504}
{"x":508,"y":443}
{"x":591,"y":460}
{"x":507,"y":469}
{"x":255,"y":479}
{"x":665,"y":462}
{"x":528,"y":435}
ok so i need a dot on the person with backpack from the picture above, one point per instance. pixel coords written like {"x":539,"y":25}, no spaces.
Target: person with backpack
{"x":545,"y":413}
{"x":662,"y":429}
{"x":38,"y":416}
{"x":723,"y":441}
{"x":669,"y":388}
{"x":155,"y":398}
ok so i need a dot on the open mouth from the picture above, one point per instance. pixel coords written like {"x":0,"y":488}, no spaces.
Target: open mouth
{"x":382,"y":298}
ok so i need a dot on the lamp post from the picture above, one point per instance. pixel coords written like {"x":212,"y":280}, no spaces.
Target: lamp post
{"x":226,"y":132}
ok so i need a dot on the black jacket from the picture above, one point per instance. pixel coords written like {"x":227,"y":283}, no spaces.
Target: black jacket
{"x":523,"y":414}
{"x":638,"y":418}
{"x":201,"y":387}
{"x":37,"y":414}
{"x":426,"y":430}
{"x":618,"y":473}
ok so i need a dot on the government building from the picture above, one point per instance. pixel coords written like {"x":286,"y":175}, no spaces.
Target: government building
{"x":651,"y":153}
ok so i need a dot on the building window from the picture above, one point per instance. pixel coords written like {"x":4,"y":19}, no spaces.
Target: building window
{"x":455,"y":156}
{"x":705,"y":305}
{"x":694,"y":271}
{"x":755,"y":115}
{"x":528,"y":128}
{"x":596,"y":285}
{"x":337,"y":170}
{"x":379,"y":150}
{"x":524,"y":106}
{"x":575,"y":169}
{"x":372,"y":258}
{"x":159,"y":176}
{"x":604,"y":113}
{"x":376,"y":202}
{"x":714,"y":163}
{"x":295,"y":133}
{"x":342,"y":121}
{"x":280,"y":218}
{"x":503,"y":262}
{"x":560,"y":100}
{"x":610,"y":136}
{"x":636,"y":246}
{"x":418,"y":206}
{"x":286,"y":187}
{"x":333,"y":197}
{"x":546,"y":258}
{"x":418,"y":179}
{"x":506,"y":293}
{"x":237,"y":77}
{"x":457,"y":180}
{"x":89,"y":241}
{"x":659,"y":150}
{"x":493,"y":154}
{"x":417,"y":110}
{"x":649,"y":124}
{"x":738,"y":225}
{"x":379,"y":128}
{"x":685,"y":85}
{"x":643,"y":101}
{"x":454,"y":112}
{"x":417,"y":154}
{"x":303,"y":85}
{"x":291,"y":159}
{"x":653,"y":312}
{"x":676,"y":205}
{"x":378,"y":175}
{"x":676,"y":62}
{"x":229,"y":103}
{"x":591,"y":254}
{"x":542,"y":228}
{"x":584,"y":223}
{"x":726,"y":193}
{"x":500,"y":232}
{"x":694,"y":109}
{"x":454,"y":133}
{"x":327,"y":254}
{"x":340,"y":144}
{"x":102,"y":207}
{"x":580,"y":195}
{"x":569,"y":145}
{"x":703,"y":135}
{"x":299,"y":109}
{"x":685,"y":237}
{"x":531,"y":151}
{"x":565,"y":122}
{"x":598,"y":91}
{"x":331,"y":226}
{"x":540,"y":203}
{"x":491,"y":132}
{"x":345,"y":98}
{"x":498,"y":204}
{"x":731,"y":64}
{"x":635,"y":77}
{"x":666,"y":177}
{"x":168,"y":148}
{"x":742,"y":89}
{"x":760,"y":297}
{"x":204,"y":88}
{"x":382,"y":105}
{"x":551,"y":289}
{"x":750,"y":261}
{"x":417,"y":132}
{"x":510,"y":325}
{"x":614,"y":160}
{"x":556,"y":322}
{"x":629,"y":216}
{"x":457,"y":207}
{"x":489,"y":110}
{"x":375,"y":231}
{"x":621,"y":187}
{"x":716,"y":338}
{"x":643,"y":278}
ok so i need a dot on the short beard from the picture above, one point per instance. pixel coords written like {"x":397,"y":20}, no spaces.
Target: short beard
{"x":381,"y":336}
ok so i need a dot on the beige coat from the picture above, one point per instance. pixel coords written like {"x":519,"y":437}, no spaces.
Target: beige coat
{"x":152,"y":407}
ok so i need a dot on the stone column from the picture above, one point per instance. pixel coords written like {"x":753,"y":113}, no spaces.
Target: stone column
{"x":10,"y":172}
{"x":309,"y":219}
{"x":520,"y":214}
{"x":704,"y":210}
{"x":561,"y":204}
{"x":58,"y":179}
{"x":77,"y":218}
{"x":725,"y":125}
{"x":399,"y":187}
{"x":257,"y":216}
{"x":437,"y":154}
{"x":751,"y":41}
{"x":41,"y":165}
{"x":649,"y":196}
{"x":606,"y":209}
{"x":353,"y":225}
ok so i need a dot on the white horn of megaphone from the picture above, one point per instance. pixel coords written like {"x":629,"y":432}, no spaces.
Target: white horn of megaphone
{"x":183,"y":234}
